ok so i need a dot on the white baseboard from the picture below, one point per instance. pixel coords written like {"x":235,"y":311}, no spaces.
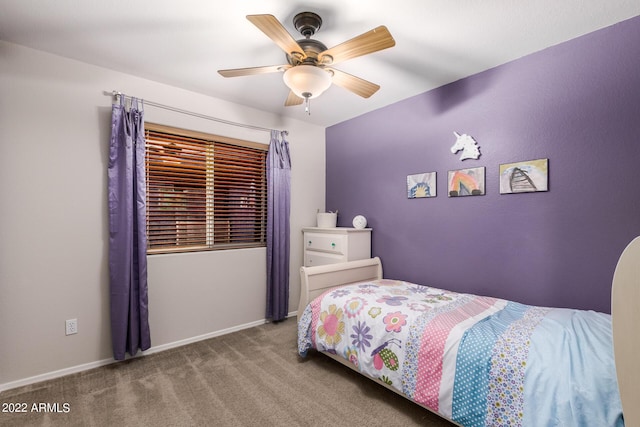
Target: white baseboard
{"x":91,"y":365}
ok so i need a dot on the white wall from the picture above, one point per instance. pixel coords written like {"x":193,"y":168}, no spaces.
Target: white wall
{"x":54,"y":133}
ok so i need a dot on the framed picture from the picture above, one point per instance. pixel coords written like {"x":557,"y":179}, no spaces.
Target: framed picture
{"x":421,"y":185}
{"x":524,"y":177}
{"x":466,"y":182}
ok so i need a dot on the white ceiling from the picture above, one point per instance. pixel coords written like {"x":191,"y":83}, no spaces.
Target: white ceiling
{"x":183,"y":43}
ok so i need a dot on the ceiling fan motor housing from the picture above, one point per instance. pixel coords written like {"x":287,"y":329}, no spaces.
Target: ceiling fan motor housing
{"x":312,"y":49}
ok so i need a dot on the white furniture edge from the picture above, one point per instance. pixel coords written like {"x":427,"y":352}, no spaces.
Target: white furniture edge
{"x":625,"y":317}
{"x":336,"y":229}
{"x":317,"y":280}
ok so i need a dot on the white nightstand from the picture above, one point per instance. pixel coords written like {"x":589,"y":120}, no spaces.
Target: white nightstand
{"x":331,"y":245}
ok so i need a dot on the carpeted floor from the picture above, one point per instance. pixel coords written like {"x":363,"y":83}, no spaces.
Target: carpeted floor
{"x":249,"y":378}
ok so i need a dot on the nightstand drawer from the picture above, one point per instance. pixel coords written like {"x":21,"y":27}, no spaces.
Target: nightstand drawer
{"x":312,"y":259}
{"x":325,"y":243}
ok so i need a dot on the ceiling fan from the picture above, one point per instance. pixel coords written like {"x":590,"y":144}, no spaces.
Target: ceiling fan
{"x":309,"y":70}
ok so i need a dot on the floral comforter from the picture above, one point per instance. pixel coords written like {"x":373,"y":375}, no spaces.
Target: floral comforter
{"x":478,"y":361}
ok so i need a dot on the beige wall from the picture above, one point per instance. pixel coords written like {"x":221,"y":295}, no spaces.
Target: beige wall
{"x":54,"y":132}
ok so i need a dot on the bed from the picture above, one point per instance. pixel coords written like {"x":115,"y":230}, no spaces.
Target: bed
{"x":478,"y":360}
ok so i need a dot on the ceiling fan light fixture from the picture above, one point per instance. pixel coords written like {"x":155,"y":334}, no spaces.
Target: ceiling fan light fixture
{"x":307,"y":81}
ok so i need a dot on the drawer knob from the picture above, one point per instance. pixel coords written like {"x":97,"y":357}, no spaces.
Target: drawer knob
{"x":333,"y":245}
{"x":309,"y":243}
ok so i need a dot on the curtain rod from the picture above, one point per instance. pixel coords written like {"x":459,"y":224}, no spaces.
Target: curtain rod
{"x":190,"y":113}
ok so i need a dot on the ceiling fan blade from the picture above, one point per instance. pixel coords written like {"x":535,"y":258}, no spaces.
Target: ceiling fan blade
{"x":354,"y":84}
{"x":251,"y":71}
{"x":293,"y":99}
{"x":372,"y":41}
{"x":269,"y":25}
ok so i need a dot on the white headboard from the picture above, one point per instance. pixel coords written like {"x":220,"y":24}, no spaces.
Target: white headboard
{"x":316,"y":280}
{"x":625,"y":312}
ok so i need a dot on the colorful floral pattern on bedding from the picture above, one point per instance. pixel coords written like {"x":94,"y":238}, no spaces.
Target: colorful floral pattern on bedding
{"x":467,"y":357}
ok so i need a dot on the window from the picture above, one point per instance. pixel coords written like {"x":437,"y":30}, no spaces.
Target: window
{"x":204,"y":192}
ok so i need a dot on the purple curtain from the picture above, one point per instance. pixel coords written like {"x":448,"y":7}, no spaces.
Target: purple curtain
{"x":127,"y":231}
{"x":278,"y":208}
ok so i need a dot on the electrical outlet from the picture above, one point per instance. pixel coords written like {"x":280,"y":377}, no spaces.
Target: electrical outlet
{"x":72,"y":326}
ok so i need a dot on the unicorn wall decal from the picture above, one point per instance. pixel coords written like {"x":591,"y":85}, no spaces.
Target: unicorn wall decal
{"x":468,"y":145}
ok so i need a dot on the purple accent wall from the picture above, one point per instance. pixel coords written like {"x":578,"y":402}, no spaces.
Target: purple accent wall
{"x":577,"y":104}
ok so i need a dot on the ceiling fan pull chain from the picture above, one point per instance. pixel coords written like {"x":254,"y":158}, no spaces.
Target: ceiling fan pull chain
{"x":307,"y":106}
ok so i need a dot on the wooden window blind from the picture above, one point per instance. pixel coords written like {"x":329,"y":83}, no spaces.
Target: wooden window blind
{"x":203,"y":192}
